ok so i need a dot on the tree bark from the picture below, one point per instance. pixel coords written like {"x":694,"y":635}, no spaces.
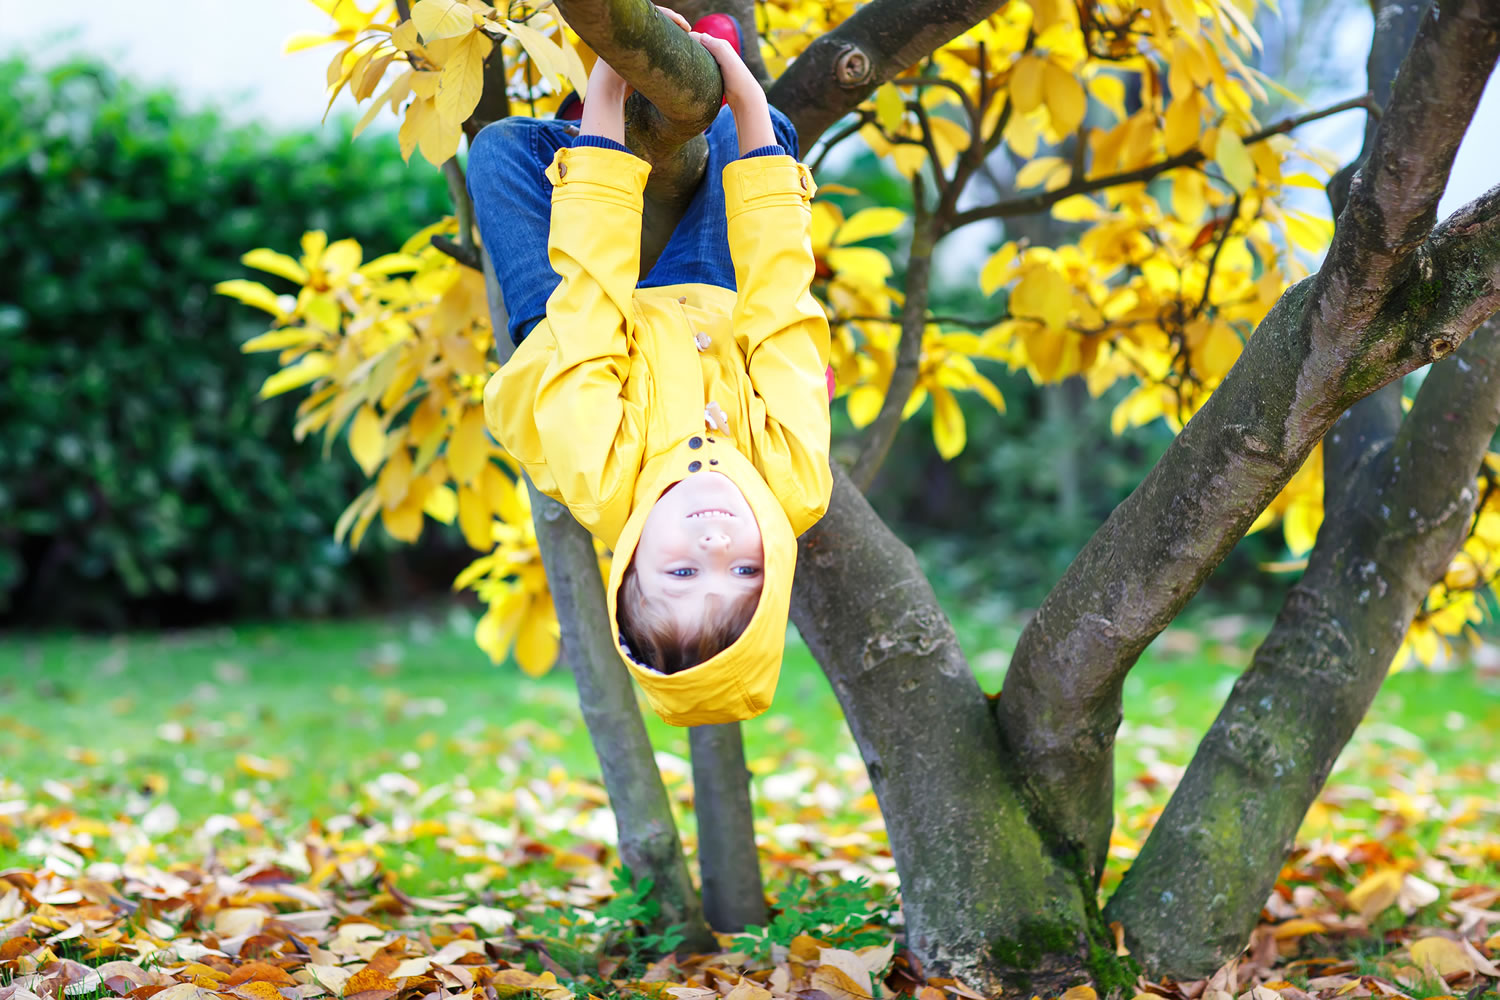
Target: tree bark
{"x":1376,"y":311}
{"x":882,"y":39}
{"x":1190,"y":900}
{"x":648,"y":842}
{"x":985,"y":899}
{"x":728,"y":864}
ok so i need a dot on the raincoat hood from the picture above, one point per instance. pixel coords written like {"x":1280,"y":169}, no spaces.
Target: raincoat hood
{"x":739,"y":682}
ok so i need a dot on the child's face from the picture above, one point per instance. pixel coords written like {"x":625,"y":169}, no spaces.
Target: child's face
{"x":700,"y":541}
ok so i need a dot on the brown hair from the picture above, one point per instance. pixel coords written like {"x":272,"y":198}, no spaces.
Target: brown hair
{"x":657,"y":641}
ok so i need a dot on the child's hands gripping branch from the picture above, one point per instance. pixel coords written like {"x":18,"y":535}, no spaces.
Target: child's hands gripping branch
{"x":747,"y":101}
{"x":604,"y":110}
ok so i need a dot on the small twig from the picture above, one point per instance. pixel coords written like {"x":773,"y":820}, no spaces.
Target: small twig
{"x":1031,"y":204}
{"x":463,"y":207}
{"x":863,"y":119}
{"x":939,"y":178}
{"x":1234,"y":214}
{"x":467,"y":256}
{"x":924,"y":81}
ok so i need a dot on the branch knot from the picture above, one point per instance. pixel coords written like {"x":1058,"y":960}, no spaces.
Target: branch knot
{"x":853,"y":67}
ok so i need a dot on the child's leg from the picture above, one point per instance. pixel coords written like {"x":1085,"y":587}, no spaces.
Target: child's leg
{"x":513,"y":207}
{"x":698,"y":251}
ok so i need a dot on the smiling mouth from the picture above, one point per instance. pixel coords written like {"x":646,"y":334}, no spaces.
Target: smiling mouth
{"x":714,"y":512}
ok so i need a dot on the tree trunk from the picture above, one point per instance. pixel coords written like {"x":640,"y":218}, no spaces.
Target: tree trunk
{"x":728,"y":865}
{"x":984,"y":896}
{"x":648,"y":841}
{"x":1375,"y":311}
{"x":649,"y":844}
{"x":1190,"y":900}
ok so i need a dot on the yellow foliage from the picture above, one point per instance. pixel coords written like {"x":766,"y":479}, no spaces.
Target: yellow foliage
{"x":1162,"y":286}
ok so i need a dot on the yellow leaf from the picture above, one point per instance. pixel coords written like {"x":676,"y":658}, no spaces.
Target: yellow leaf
{"x":1110,"y":92}
{"x":463,"y":79}
{"x":890,"y":107}
{"x":404,"y":36}
{"x":441,"y":18}
{"x":261,"y":767}
{"x":1065,"y":98}
{"x":1045,"y":349}
{"x":1081,"y":993}
{"x":1376,"y":892}
{"x":1221,"y":349}
{"x":395,"y":479}
{"x":365,"y":501}
{"x":469,"y":447}
{"x":371,"y":77}
{"x":404,"y":523}
{"x":537,"y":640}
{"x":869,"y":223}
{"x":275,"y":263}
{"x":548,"y":56}
{"x":1180,"y":131}
{"x":948,"y":431}
{"x":441,"y":505}
{"x":996,"y":270}
{"x":1301,"y":528}
{"x":1042,"y":294}
{"x":367,"y":440}
{"x":313,"y":366}
{"x":862,"y":263}
{"x":474,"y":519}
{"x":1234,"y":159}
{"x":276,"y":340}
{"x":496,"y":630}
{"x":863,"y":403}
{"x":1441,"y":956}
{"x":949,"y":137}
{"x":392,"y":95}
{"x":1026,"y":82}
{"x":1039,"y":171}
{"x":437,"y":138}
{"x":252,"y":293}
{"x":1188,"y":202}
{"x":1299,"y":927}
{"x":411,"y":126}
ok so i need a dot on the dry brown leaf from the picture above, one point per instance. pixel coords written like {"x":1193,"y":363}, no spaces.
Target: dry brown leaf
{"x":1441,"y":956}
{"x":237,"y":920}
{"x":1260,"y":993}
{"x":1081,"y":993}
{"x":332,"y":977}
{"x":839,"y":985}
{"x":1298,"y":927}
{"x":746,"y":989}
{"x":258,"y":989}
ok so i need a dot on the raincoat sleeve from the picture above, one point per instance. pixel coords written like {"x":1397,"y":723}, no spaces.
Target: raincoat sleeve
{"x":591,"y":437}
{"x":782,"y":329}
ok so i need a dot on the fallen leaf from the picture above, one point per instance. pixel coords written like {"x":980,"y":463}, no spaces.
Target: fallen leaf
{"x":1441,"y":956}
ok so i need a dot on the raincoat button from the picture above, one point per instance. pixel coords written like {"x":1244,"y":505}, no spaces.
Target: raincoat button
{"x":694,"y":466}
{"x":702,"y":340}
{"x":804,"y":182}
{"x":695,"y":442}
{"x":682,"y":300}
{"x":562,"y":171}
{"x":713,"y":461}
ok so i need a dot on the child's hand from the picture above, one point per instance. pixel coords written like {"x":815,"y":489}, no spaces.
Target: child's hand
{"x":752,"y":116}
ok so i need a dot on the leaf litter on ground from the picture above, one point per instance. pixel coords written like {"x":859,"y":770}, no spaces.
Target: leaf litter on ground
{"x":447,"y":857}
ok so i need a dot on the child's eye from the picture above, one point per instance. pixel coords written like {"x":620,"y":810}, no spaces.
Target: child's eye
{"x":682,"y":571}
{"x":747,"y":570}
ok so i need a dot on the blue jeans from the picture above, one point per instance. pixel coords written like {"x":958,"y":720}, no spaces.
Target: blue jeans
{"x":513,"y":207}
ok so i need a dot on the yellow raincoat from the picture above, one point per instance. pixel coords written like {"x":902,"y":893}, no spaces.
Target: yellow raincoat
{"x":606,"y":401}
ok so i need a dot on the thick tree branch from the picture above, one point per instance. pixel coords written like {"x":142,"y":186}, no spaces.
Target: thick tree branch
{"x":1033,"y":204}
{"x":1217,"y":849}
{"x":882,"y":39}
{"x":1061,"y":703}
{"x":677,"y":81}
{"x":1393,"y":199}
{"x":976,"y":877}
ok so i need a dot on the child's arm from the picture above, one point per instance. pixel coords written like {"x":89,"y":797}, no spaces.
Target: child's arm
{"x":591,"y":439}
{"x":784,"y":330}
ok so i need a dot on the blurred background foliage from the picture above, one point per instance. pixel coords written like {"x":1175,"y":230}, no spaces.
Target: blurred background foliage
{"x":142,"y":483}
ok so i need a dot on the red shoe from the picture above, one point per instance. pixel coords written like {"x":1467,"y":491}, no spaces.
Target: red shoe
{"x":571,"y":108}
{"x":721,"y":26}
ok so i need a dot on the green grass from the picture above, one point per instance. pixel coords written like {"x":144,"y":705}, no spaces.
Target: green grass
{"x":397,"y":722}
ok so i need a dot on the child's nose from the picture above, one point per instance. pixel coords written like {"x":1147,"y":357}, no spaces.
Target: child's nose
{"x":711,"y":541}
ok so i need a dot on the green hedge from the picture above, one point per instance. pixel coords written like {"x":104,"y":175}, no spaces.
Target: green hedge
{"x":140,"y":479}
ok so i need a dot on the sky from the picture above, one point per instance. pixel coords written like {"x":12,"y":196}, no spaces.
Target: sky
{"x":216,"y":51}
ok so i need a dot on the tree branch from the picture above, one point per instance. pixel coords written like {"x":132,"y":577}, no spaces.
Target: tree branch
{"x":881,"y":40}
{"x":677,"y":81}
{"x":1061,"y":703}
{"x":1032,"y":204}
{"x":733,"y":895}
{"x":1218,"y":847}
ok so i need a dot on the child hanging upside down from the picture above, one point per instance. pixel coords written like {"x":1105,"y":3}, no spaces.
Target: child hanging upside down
{"x":682,"y":417}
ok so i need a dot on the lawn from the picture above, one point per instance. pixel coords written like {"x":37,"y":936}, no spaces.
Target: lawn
{"x":238,"y":735}
{"x":386,"y":766}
